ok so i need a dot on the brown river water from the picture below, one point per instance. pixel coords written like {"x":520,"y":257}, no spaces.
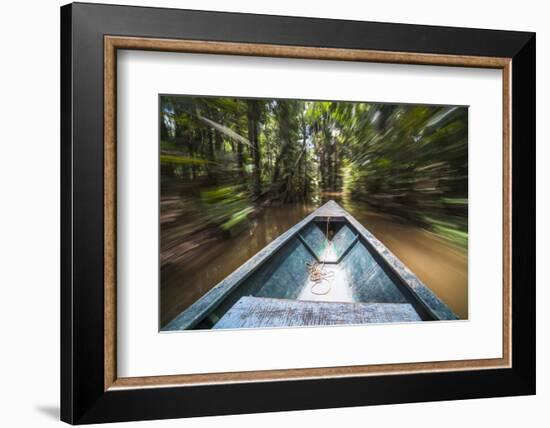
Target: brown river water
{"x":442,"y":266}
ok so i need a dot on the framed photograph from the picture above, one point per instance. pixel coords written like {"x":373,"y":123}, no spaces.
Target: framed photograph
{"x":265,"y":213}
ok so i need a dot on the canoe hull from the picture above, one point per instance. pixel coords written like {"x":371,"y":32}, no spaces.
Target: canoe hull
{"x":328,"y":260}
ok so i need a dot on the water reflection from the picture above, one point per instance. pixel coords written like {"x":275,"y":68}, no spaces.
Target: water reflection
{"x":440,"y":265}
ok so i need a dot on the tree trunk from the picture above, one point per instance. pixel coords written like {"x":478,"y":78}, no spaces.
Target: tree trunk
{"x":284,"y":138}
{"x":240,"y":162}
{"x":211,"y":148}
{"x":335,"y":167}
{"x":218,"y":141}
{"x":253,"y":115}
{"x":193,"y":166}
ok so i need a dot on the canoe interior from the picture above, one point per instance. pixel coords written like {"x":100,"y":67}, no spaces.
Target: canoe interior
{"x":358,"y":286}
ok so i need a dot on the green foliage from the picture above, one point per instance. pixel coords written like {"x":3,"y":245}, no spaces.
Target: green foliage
{"x":227,"y":206}
{"x":407,"y":160}
{"x":182,"y":160}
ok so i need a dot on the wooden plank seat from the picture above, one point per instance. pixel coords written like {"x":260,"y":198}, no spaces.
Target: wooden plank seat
{"x":260,"y":312}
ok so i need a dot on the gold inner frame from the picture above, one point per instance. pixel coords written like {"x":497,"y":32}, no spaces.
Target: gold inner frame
{"x":113,"y":43}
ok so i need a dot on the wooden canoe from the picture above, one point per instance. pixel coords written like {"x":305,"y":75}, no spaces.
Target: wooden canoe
{"x":326,"y":270}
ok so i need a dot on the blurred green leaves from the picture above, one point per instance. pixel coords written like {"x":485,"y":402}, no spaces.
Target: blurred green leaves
{"x":182,"y":160}
{"x":231,"y":155}
{"x":227,"y":206}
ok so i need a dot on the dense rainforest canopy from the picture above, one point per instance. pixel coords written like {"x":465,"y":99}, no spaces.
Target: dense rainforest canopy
{"x":223,"y":158}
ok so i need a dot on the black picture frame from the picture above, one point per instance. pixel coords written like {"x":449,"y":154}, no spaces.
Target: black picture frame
{"x":83,"y":396}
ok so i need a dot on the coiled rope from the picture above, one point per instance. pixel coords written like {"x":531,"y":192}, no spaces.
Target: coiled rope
{"x":318,"y":273}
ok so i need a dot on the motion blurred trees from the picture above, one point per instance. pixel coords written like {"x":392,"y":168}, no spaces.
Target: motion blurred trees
{"x":234,"y":155}
{"x":412,"y":161}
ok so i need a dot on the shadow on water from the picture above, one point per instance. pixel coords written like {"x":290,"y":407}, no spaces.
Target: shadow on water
{"x":439,"y":264}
